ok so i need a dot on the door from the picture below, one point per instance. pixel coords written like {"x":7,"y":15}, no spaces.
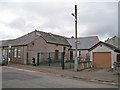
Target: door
{"x":102,"y":59}
{"x":118,"y":57}
{"x":56,"y":55}
{"x":71,"y":55}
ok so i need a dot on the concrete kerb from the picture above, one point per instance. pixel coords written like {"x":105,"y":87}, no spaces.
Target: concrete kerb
{"x":44,"y":70}
{"x":109,"y":82}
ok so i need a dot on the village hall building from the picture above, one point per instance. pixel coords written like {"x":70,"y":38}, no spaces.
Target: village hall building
{"x":23,"y":49}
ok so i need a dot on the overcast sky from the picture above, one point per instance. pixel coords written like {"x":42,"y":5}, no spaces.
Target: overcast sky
{"x":22,"y":17}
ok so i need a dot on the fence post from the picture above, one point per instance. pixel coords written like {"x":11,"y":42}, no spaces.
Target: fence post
{"x":27,"y":59}
{"x":70,"y":63}
{"x":38,"y":59}
{"x":49,"y":60}
{"x":62,"y":60}
{"x":22,"y":55}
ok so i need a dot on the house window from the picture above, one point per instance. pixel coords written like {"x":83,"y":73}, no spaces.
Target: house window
{"x":64,"y":49}
{"x":87,"y":56}
{"x":19,"y":53}
{"x":4,"y":54}
{"x":15,"y":52}
{"x":101,"y":45}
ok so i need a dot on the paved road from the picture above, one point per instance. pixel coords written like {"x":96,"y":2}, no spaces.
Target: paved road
{"x":12,"y":78}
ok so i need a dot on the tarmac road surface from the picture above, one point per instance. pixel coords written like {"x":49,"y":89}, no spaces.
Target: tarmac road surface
{"x":12,"y":78}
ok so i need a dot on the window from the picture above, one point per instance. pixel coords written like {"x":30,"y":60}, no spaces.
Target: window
{"x":64,"y":49}
{"x":19,"y":53}
{"x":4,"y":52}
{"x":88,"y":56}
{"x":37,"y":33}
{"x":15,"y":52}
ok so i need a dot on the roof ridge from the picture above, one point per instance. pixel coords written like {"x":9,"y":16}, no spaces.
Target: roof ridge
{"x":26,"y":34}
{"x":52,"y":34}
{"x":110,"y":45}
{"x":7,"y":40}
{"x":27,"y":38}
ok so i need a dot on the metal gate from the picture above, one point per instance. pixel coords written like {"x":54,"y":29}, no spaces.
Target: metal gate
{"x":50,"y":59}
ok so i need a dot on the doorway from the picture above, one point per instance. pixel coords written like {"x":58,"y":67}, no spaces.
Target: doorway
{"x":56,"y":55}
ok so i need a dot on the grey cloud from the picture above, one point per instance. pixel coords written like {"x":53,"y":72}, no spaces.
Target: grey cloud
{"x":57,"y":16}
{"x":21,"y":25}
{"x":103,"y":29}
{"x":18,"y":23}
{"x":100,"y":18}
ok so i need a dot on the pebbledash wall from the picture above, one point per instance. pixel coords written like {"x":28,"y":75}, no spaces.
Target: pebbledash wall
{"x":24,"y":54}
{"x":104,"y":49}
{"x":40,"y":45}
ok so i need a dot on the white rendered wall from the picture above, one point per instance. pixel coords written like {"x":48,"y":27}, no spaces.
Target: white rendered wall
{"x":103,"y":48}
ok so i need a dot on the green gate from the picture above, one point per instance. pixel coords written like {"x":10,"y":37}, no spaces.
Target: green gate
{"x":50,"y":59}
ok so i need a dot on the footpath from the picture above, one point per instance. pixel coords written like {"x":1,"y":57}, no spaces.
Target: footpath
{"x":95,"y":75}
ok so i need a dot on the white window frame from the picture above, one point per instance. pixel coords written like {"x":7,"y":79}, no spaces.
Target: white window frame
{"x":15,"y":52}
{"x":19,"y":53}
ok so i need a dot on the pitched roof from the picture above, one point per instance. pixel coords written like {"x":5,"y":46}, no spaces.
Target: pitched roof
{"x":23,"y":40}
{"x":84,"y":42}
{"x":54,"y":39}
{"x":106,"y":44}
{"x":30,"y":37}
{"x":6,"y":42}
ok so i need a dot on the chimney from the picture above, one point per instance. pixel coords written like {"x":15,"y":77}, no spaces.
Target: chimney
{"x":72,"y":37}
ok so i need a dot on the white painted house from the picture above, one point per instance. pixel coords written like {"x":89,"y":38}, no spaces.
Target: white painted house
{"x":103,"y":55}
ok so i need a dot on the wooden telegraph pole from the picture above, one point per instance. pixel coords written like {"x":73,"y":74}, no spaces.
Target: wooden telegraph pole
{"x":76,"y":60}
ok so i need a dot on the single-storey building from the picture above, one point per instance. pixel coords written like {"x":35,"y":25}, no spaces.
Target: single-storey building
{"x":103,"y":55}
{"x":23,"y":49}
{"x":83,"y":46}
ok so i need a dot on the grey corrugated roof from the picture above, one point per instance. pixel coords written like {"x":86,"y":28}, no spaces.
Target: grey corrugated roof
{"x":84,"y":42}
{"x":30,"y":37}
